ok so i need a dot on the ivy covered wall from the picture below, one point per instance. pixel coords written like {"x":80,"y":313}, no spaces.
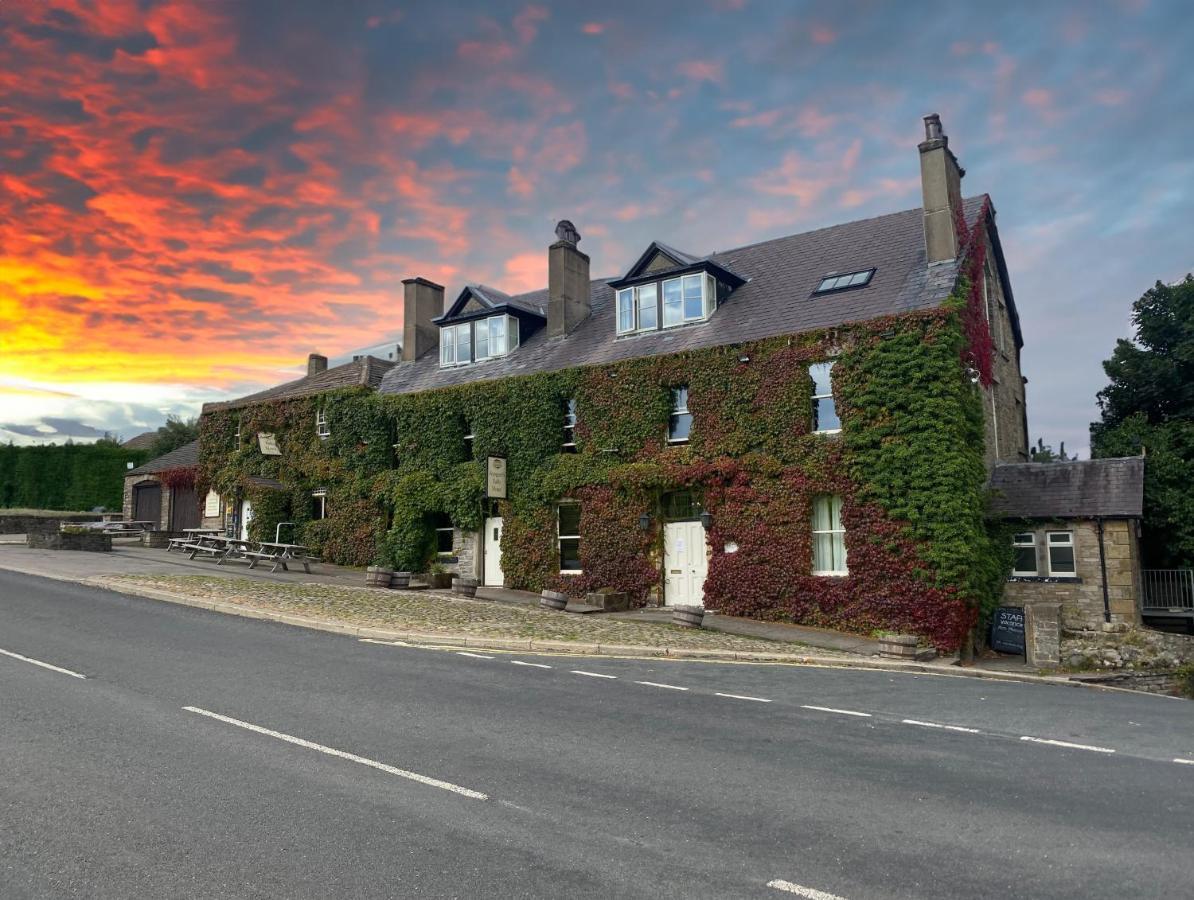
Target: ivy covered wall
{"x":908,"y":465}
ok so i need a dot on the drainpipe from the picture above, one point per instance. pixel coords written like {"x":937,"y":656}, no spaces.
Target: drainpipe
{"x":1103,"y":567}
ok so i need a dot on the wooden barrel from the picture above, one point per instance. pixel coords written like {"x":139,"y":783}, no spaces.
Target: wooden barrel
{"x":465,"y":587}
{"x":378,"y":576}
{"x":400,"y":580}
{"x":688,"y":616}
{"x":553,"y":600}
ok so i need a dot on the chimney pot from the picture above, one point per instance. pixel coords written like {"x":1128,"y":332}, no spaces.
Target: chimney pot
{"x":316,"y":364}
{"x":933,"y":127}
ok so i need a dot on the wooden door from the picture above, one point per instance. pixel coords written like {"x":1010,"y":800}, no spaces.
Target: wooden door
{"x":184,"y":509}
{"x":147,"y":503}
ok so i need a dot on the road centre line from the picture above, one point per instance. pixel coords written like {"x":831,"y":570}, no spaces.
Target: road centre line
{"x":519,"y":662}
{"x":840,"y":712}
{"x":351,"y":757}
{"x":473,"y":655}
{"x":44,"y":665}
{"x":1067,"y":744}
{"x":801,"y":891}
{"x":741,"y":697}
{"x":937,"y":725}
{"x":591,"y":674}
{"x":670,"y":687}
{"x":1184,"y":762}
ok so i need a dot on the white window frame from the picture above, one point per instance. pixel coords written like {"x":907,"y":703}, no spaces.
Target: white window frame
{"x":321,"y":425}
{"x":561,"y":537}
{"x":449,"y":336}
{"x":815,"y":397}
{"x":685,"y":319}
{"x":450,"y":530}
{"x":321,"y":495}
{"x":833,"y":532}
{"x":570,"y":417}
{"x":678,"y":410}
{"x":1068,"y":542}
{"x":1018,"y":544}
{"x":632,"y":296}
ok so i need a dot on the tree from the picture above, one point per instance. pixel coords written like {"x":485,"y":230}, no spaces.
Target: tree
{"x":1148,"y":408}
{"x":1043,"y":452}
{"x":174,"y":434}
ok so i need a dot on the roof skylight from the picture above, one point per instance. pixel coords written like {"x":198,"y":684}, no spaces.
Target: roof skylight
{"x":838,"y":282}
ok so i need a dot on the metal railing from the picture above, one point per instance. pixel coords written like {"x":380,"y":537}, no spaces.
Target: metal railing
{"x":1170,"y":590}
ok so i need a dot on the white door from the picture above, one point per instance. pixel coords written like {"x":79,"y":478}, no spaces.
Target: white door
{"x":493,"y":552}
{"x":684,"y":564}
{"x":246,"y":516}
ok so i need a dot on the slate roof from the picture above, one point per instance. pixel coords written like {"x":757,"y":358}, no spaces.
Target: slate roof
{"x":776,"y":299}
{"x":367,"y":371}
{"x":143,"y":441}
{"x":1069,"y":490}
{"x":185,"y":456}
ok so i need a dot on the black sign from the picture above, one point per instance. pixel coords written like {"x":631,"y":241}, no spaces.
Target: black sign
{"x":1007,"y":629}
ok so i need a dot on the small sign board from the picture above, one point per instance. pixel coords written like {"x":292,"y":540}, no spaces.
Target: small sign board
{"x":495,"y":477}
{"x":1007,"y":629}
{"x":268,"y":444}
{"x":211,"y":506}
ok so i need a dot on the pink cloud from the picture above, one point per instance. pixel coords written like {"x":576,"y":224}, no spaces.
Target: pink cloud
{"x":593,"y":28}
{"x":526,"y":23}
{"x":525,"y":272}
{"x":822,"y":34}
{"x":702,"y":70}
{"x":621,"y":89}
{"x":486,"y":52}
{"x":1112,"y":96}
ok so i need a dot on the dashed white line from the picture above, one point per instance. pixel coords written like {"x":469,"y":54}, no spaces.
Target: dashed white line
{"x":351,"y":757}
{"x":44,"y":665}
{"x":742,"y":697}
{"x":801,"y":891}
{"x":938,"y":725}
{"x":1067,"y":744}
{"x":1184,"y":762}
{"x":473,"y":655}
{"x":519,"y":662}
{"x":840,"y":712}
{"x":591,"y":674}
{"x":670,"y":687}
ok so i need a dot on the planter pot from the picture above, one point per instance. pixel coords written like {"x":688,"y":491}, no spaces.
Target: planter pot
{"x":553,"y":600}
{"x":608,"y":600}
{"x":898,"y":646}
{"x":378,"y":576}
{"x":400,"y":580}
{"x":465,"y":587}
{"x":688,"y":616}
{"x":439,"y":580}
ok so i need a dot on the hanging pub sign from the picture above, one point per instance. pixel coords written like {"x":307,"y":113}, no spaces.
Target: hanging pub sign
{"x":268,"y":444}
{"x":495,"y":477}
{"x":211,"y":505}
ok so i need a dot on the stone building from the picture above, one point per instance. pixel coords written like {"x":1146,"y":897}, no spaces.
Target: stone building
{"x":1077,"y":537}
{"x":162,"y":490}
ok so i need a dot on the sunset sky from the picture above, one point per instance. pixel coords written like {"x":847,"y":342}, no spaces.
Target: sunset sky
{"x":195,"y":195}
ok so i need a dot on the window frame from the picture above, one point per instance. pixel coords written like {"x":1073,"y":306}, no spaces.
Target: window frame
{"x":851,"y":283}
{"x":833,"y":532}
{"x":321,"y":495}
{"x":450,"y":530}
{"x":677,"y":411}
{"x":450,"y":348}
{"x":1017,"y":545}
{"x":570,"y":419}
{"x":633,"y":295}
{"x":1068,"y":544}
{"x":321,"y":424}
{"x":816,"y":429}
{"x":561,"y":537}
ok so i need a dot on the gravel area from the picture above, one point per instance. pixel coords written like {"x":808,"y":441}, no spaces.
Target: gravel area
{"x":434,"y":612}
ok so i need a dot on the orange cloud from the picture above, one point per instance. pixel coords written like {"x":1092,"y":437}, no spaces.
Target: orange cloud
{"x":593,"y":28}
{"x":702,"y":70}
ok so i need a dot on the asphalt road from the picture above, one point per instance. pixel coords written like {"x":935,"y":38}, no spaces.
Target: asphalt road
{"x":204,"y":755}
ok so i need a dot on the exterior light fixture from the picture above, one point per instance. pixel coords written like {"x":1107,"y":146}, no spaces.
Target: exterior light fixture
{"x":644,"y":521}
{"x":706,"y":519}
{"x":743,"y":358}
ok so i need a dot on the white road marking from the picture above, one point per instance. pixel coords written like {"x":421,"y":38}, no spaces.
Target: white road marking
{"x":519,"y":662}
{"x":670,"y":687}
{"x":801,"y":891}
{"x":840,"y":712}
{"x":473,"y":655}
{"x":44,"y":665}
{"x":1037,"y":740}
{"x":351,"y":757}
{"x":742,"y":697}
{"x":1184,"y":762}
{"x":591,"y":674}
{"x":946,"y":727}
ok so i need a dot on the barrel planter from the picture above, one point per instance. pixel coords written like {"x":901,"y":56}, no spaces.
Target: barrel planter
{"x":465,"y":587}
{"x":553,"y":600}
{"x":378,"y":576}
{"x":688,"y":616}
{"x":898,"y":646}
{"x":400,"y":580}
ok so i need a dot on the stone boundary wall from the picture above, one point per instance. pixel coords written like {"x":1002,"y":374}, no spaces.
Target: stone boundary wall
{"x":1152,"y":682}
{"x":25,"y":524}
{"x":95,"y":542}
{"x":1119,"y":647}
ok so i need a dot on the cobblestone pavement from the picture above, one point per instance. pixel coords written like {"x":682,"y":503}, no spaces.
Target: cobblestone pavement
{"x":434,"y":612}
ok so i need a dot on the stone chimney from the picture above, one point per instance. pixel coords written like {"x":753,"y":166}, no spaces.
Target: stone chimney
{"x":316,"y":364}
{"x":422,"y":301}
{"x":941,"y":182}
{"x":567,"y":282}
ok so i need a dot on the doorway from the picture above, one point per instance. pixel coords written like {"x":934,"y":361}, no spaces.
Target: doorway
{"x":147,"y":503}
{"x":246,"y":516}
{"x":184,"y":509}
{"x":684,"y":563}
{"x":493,"y":552}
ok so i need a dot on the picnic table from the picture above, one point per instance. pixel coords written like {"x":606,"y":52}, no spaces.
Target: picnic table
{"x":190,"y":536}
{"x":133,"y":527}
{"x":280,"y":553}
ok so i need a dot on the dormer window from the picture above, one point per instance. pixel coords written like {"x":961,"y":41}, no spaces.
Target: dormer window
{"x":476,"y":341}
{"x":674,"y":301}
{"x":840,"y":282}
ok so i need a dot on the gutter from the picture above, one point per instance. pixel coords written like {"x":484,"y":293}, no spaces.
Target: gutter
{"x":1103,"y":569}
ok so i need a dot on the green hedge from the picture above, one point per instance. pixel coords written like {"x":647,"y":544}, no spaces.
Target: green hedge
{"x":68,"y":476}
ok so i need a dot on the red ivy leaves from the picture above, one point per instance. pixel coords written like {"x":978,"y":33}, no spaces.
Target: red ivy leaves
{"x":979,"y":350}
